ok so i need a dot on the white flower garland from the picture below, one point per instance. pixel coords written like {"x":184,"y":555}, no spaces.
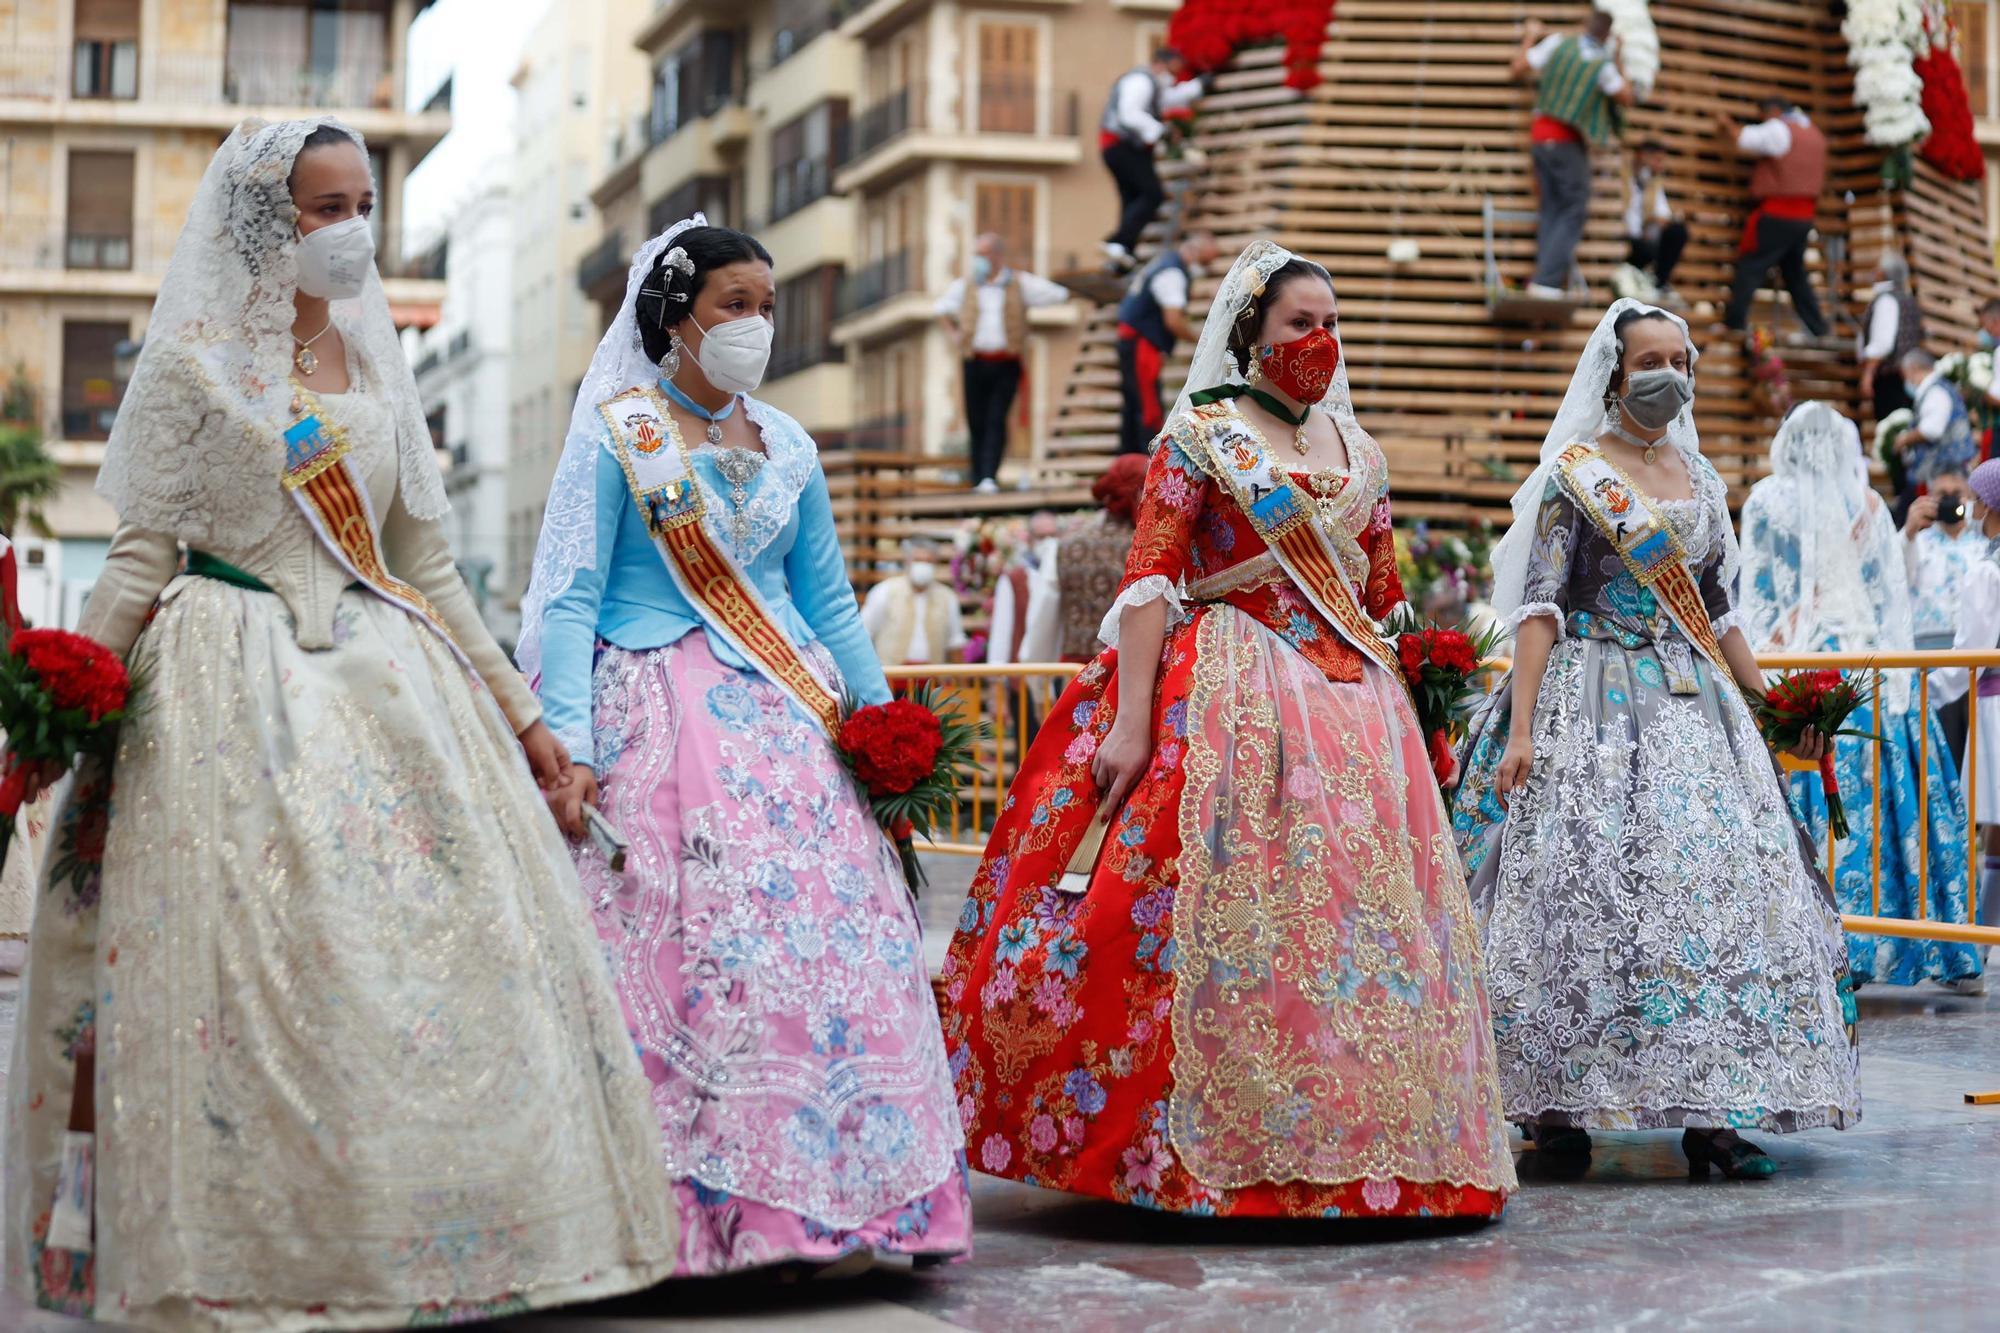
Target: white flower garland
{"x":1638,"y":42}
{"x":1884,"y":38}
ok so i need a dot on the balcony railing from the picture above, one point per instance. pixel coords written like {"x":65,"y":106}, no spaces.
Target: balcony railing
{"x":102,"y":251}
{"x":791,"y":360}
{"x":52,"y":244}
{"x":794,"y":36}
{"x":806,"y":181}
{"x":888,"y":120}
{"x":607,"y":257}
{"x":871,"y":285}
{"x":245,"y":77}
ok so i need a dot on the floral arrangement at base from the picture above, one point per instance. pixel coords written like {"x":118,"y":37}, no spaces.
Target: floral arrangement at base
{"x":1951,"y":147}
{"x":1972,"y":372}
{"x":912,"y":757}
{"x":1822,"y":700}
{"x":1770,"y":384}
{"x":1208,"y":32}
{"x":1886,"y":431}
{"x":1638,"y":43}
{"x":1884,"y":39}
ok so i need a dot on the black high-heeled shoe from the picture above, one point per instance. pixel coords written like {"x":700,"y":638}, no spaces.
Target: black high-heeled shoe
{"x":1739,"y":1159}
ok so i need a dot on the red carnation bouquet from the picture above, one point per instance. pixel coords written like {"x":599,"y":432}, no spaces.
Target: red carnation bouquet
{"x":1822,"y":700}
{"x":61,"y":696}
{"x":1439,"y":665}
{"x":912,"y":758}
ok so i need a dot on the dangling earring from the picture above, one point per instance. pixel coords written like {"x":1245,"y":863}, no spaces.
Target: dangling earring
{"x":1256,"y":367}
{"x":1614,"y":415}
{"x":670,"y":362}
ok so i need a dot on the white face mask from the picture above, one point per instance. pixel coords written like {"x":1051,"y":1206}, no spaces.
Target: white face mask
{"x":921,"y":573}
{"x":335,"y":261}
{"x":733,"y":355}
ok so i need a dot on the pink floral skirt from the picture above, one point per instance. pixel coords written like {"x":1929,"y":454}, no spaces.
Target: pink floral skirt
{"x":771,"y":966}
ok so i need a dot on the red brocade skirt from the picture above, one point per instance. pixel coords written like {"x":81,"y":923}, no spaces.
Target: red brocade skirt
{"x":1269,"y":1002}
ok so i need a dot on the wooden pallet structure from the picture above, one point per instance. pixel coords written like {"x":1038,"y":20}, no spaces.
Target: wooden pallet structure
{"x":1416,"y":126}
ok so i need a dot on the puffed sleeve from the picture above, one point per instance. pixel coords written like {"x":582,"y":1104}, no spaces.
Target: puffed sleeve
{"x":569,"y":626}
{"x":816,"y":570}
{"x":419,"y":555}
{"x":1176,"y":492}
{"x":138,"y":565}
{"x":1546,"y":592}
{"x":1385,"y":583}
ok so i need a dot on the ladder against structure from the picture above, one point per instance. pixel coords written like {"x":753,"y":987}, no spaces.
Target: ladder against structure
{"x":1417,"y":134}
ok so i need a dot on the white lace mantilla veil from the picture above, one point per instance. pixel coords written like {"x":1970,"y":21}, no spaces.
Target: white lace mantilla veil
{"x":569,"y":522}
{"x":1823,"y":556}
{"x":1581,"y":417}
{"x":198,"y":447}
{"x":1213,"y":367}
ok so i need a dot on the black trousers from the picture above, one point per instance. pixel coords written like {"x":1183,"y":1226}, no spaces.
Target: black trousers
{"x":1781,"y":244}
{"x":1140,"y":193}
{"x":1890,"y":393}
{"x":990,"y":388}
{"x":1660,"y":255}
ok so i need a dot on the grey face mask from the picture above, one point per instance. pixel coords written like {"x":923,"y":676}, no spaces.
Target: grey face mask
{"x":1653,"y":398}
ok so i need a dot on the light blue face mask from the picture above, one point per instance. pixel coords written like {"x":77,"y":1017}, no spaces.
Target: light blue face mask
{"x":1987,"y":342}
{"x":982,"y":268}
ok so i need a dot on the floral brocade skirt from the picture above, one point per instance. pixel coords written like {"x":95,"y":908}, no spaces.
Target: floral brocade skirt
{"x":357,"y":1060}
{"x":771,"y":967}
{"x":1660,"y":949}
{"x":1268,"y":1002}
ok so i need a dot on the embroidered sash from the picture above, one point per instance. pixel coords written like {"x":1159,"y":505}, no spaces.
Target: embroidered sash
{"x":649,"y":447}
{"x":1626,"y":518}
{"x":1283,"y":516}
{"x":320,"y":479}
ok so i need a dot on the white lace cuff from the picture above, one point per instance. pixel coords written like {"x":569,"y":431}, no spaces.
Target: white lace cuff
{"x":1152,"y":588}
{"x":1733,"y":620}
{"x":1529,"y":610}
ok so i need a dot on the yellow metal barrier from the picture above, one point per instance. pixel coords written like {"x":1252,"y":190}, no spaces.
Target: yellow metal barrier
{"x":1923,"y":663}
{"x":1012,"y":700}
{"x":1015,"y":699}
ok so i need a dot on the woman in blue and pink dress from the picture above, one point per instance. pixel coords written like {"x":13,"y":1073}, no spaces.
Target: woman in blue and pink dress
{"x":761,"y":937}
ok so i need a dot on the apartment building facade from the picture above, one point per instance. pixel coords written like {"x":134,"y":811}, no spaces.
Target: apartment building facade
{"x":579,"y":81}
{"x":866,"y":145}
{"x":109,"y":113}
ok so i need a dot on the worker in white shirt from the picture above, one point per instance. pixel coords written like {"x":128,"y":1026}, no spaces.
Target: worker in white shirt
{"x":1025,"y":600}
{"x":1786,"y":183}
{"x":1580,"y":100}
{"x":1653,"y":230}
{"x":1129,"y":135}
{"x":991,"y":341}
{"x":1893,"y":326}
{"x":912,"y":618}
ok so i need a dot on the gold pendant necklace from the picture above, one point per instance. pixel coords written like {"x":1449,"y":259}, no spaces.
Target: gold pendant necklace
{"x":305,"y":358}
{"x":1649,"y":449}
{"x":1299,"y":435}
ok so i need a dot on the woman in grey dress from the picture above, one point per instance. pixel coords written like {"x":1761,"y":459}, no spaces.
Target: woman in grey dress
{"x":1661,"y":950}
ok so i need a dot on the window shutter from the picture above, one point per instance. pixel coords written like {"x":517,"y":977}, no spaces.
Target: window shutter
{"x":1007,"y":77}
{"x":1008,"y":209}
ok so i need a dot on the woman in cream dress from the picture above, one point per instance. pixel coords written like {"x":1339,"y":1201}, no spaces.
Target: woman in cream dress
{"x":357,"y":1059}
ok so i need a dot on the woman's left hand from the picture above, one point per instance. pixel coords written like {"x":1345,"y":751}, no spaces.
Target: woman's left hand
{"x":1811,"y":747}
{"x":547,"y":759}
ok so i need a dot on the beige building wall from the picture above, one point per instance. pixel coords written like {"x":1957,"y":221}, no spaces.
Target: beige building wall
{"x":1004,"y":105}
{"x":578,"y":84}
{"x":166,"y":89}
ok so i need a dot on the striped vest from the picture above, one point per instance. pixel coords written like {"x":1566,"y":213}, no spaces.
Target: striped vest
{"x":1567,"y":91}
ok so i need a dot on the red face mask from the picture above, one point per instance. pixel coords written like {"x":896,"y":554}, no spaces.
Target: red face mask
{"x":1302,"y":369}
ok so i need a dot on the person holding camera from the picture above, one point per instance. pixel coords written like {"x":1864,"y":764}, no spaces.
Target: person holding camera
{"x":1939,"y":545}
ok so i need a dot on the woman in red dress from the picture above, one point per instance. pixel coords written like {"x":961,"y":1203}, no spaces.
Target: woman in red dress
{"x":1268,"y":1001}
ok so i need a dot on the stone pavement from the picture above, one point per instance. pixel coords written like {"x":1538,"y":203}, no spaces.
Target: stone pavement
{"x":1892,"y":1224}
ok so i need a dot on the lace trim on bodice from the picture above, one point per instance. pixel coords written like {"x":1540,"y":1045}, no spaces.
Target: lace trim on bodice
{"x":771,"y":495}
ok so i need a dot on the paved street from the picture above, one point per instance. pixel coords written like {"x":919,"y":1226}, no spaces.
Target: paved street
{"x":1892,"y":1224}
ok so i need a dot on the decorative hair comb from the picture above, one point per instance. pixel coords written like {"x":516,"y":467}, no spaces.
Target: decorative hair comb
{"x":677,"y":259}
